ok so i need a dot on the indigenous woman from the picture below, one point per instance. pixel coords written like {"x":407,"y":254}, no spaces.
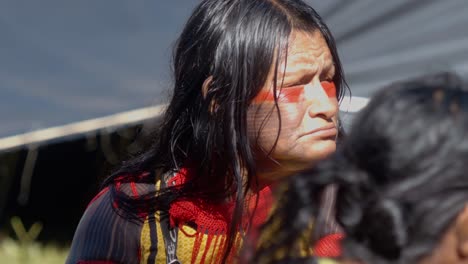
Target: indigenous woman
{"x":255,"y":99}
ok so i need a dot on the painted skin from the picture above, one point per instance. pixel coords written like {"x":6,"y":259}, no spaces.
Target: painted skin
{"x":307,"y":105}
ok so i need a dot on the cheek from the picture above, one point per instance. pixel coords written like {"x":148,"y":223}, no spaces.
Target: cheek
{"x":334,"y":101}
{"x":286,"y":95}
{"x":263,"y":120}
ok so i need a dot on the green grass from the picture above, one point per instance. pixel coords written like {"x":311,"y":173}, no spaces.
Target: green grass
{"x":13,"y":252}
{"x":25,"y":249}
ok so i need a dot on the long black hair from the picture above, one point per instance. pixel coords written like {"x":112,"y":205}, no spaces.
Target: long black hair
{"x":234,"y":44}
{"x":401,"y":175}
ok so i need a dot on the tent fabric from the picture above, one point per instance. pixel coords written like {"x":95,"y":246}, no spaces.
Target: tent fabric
{"x":383,"y":41}
{"x":69,"y":61}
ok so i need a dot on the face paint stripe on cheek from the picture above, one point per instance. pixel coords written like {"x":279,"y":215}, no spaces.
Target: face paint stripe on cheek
{"x":329,"y":88}
{"x":285,"y":95}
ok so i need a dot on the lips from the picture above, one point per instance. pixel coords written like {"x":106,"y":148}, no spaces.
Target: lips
{"x":323,"y":132}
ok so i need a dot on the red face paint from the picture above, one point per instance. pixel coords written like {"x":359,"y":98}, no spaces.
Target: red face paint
{"x":286,"y":95}
{"x":293,"y":94}
{"x":329,"y":88}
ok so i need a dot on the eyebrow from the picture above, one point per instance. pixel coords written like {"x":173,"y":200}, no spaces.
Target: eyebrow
{"x":303,"y":73}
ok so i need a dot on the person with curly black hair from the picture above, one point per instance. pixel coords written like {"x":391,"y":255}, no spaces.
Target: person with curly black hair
{"x":402,"y":180}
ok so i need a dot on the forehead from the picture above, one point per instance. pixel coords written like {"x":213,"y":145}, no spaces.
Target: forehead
{"x":307,"y":49}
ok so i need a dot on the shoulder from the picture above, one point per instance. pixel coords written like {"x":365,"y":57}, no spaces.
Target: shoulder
{"x":103,"y":234}
{"x":327,"y":261}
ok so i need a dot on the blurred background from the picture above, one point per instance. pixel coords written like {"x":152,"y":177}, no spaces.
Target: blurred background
{"x":82,"y":83}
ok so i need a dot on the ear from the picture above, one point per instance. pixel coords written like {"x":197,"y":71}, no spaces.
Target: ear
{"x":462,"y":233}
{"x":204,"y":90}
{"x":206,"y":85}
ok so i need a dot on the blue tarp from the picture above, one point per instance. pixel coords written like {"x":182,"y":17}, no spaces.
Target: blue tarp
{"x":66,"y":61}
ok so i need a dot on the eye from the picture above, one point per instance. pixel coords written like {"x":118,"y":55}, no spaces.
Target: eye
{"x":294,"y":85}
{"x":328,"y":75}
{"x":298,"y":80}
{"x":327,"y":78}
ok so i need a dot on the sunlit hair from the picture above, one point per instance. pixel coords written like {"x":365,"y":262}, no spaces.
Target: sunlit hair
{"x":235,"y":43}
{"x":401,"y":175}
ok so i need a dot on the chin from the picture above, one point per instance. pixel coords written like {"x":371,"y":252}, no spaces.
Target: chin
{"x":320,"y":151}
{"x":304,"y":154}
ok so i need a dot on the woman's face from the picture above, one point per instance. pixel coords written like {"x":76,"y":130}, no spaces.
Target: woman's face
{"x":307,"y":103}
{"x":453,"y":247}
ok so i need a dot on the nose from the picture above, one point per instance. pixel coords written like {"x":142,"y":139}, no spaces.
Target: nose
{"x":318,"y":101}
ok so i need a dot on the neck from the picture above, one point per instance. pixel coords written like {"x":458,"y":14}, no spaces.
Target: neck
{"x":271,"y":171}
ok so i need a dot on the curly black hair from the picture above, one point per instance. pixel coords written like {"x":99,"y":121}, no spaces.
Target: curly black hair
{"x":401,"y":175}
